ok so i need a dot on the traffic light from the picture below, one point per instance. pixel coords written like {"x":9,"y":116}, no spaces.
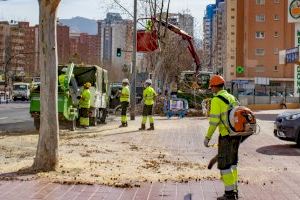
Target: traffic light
{"x":119,"y":52}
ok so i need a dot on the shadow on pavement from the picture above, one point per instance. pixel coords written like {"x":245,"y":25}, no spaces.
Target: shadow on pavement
{"x":280,"y":150}
{"x":22,"y":174}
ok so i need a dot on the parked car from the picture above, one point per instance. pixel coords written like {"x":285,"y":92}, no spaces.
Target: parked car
{"x":287,"y":127}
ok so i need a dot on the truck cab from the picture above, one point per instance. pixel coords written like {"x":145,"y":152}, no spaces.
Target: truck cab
{"x":21,"y":91}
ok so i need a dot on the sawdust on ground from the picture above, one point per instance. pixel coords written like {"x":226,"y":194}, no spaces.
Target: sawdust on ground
{"x":109,"y":156}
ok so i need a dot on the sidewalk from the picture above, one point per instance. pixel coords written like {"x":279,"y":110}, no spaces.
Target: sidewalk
{"x":204,"y":190}
{"x":269,"y":168}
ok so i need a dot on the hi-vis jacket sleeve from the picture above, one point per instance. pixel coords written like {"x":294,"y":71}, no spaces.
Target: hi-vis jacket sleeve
{"x":214,"y":117}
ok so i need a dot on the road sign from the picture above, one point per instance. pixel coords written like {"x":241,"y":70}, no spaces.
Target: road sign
{"x":292,"y":55}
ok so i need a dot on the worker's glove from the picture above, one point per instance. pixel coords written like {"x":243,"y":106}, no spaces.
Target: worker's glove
{"x":206,"y":141}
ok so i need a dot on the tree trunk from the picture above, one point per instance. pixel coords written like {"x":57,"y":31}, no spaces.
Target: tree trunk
{"x":47,"y":150}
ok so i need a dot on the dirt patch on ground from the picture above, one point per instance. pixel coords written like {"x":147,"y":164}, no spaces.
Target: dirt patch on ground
{"x":116,"y":157}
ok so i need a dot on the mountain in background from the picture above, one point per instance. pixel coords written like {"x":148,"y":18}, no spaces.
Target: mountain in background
{"x":81,"y":25}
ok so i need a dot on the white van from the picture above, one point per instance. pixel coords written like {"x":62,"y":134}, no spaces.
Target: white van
{"x":21,"y":91}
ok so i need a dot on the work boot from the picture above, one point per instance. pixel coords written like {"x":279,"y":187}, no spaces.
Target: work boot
{"x":228,"y":196}
{"x":236,"y":194}
{"x":123,"y":125}
{"x":151,"y":127}
{"x":143,"y":127}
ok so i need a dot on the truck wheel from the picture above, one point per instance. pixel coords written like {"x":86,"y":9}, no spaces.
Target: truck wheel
{"x":36,"y":122}
{"x":73,"y":125}
{"x":298,"y":140}
{"x":102,"y":115}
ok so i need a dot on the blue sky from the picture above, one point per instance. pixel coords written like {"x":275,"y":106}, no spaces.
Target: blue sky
{"x":95,"y":9}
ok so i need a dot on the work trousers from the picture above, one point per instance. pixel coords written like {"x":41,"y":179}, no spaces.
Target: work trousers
{"x":228,"y":160}
{"x":124,"y":106}
{"x":148,"y":112}
{"x":84,"y":116}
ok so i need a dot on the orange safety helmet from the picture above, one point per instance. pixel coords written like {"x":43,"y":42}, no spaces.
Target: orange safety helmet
{"x":216,"y":80}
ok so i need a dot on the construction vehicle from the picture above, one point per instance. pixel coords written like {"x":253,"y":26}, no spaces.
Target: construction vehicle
{"x":68,"y":102}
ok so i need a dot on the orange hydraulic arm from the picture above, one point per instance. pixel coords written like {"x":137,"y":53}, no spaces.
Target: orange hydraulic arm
{"x":185,"y":36}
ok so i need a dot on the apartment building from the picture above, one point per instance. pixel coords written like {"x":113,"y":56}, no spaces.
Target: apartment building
{"x":218,"y":38}
{"x":4,"y":40}
{"x":115,"y":32}
{"x":85,"y":48}
{"x":63,"y":44}
{"x":208,"y":37}
{"x":263,"y":30}
{"x":249,"y":35}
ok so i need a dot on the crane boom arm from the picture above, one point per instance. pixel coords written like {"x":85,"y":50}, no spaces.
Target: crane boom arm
{"x":185,"y":36}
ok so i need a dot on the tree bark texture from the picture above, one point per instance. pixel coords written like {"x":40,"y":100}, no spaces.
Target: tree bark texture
{"x":47,"y":150}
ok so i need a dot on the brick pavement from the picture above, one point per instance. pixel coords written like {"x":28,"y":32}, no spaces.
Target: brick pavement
{"x":269,"y":170}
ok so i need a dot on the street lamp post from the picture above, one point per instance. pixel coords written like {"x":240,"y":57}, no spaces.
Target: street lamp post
{"x":133,"y":75}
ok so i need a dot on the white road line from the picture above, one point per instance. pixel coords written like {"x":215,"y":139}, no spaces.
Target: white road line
{"x":3,"y":118}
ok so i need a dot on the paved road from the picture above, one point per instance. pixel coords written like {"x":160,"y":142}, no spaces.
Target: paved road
{"x":15,"y":117}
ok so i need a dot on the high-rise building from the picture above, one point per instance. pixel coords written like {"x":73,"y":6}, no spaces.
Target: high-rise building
{"x":262,"y":30}
{"x":208,"y":36}
{"x":218,"y":38}
{"x":114,"y":33}
{"x":245,"y":40}
{"x":183,"y":21}
{"x":4,"y":40}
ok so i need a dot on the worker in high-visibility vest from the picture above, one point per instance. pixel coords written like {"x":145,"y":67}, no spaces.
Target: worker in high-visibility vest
{"x":62,"y":78}
{"x":124,"y":99}
{"x":149,"y":96}
{"x":228,"y":145}
{"x":84,"y":105}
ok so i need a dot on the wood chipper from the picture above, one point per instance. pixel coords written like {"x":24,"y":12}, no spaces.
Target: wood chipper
{"x":67,"y":109}
{"x":75,"y":77}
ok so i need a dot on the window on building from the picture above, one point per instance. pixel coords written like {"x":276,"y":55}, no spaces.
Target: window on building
{"x":276,"y":51}
{"x":232,"y":9}
{"x":276,"y":34}
{"x":232,"y":17}
{"x":260,"y":18}
{"x":276,"y":1}
{"x":259,"y":68}
{"x":275,"y":68}
{"x":259,"y":52}
{"x":259,"y":35}
{"x":276,"y":17}
{"x":260,"y":2}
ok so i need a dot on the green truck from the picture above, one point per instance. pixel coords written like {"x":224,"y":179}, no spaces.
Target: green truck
{"x":68,"y":110}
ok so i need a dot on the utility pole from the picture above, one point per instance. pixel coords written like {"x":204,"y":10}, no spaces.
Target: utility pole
{"x":133,"y":75}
